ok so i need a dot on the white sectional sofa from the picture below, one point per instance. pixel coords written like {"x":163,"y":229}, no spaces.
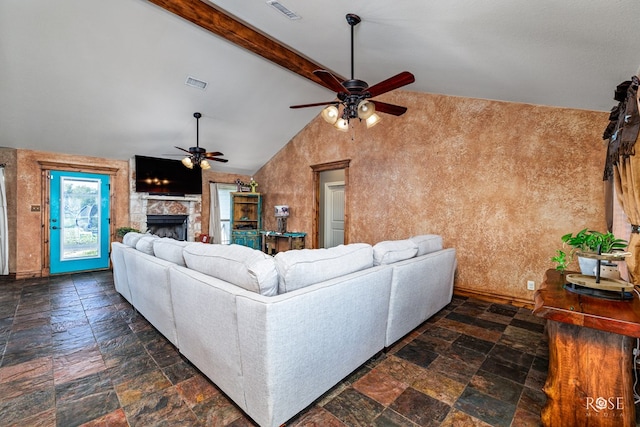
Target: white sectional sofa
{"x":275,"y":333}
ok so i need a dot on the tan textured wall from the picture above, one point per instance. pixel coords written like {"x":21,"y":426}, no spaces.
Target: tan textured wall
{"x":27,"y":231}
{"x":501,"y":182}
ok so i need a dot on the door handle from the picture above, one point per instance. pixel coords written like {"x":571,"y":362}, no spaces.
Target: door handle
{"x":53,"y":227}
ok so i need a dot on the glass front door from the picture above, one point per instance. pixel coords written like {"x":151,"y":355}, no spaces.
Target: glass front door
{"x":78,"y":222}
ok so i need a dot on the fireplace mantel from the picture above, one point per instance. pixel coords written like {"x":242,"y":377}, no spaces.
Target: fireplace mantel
{"x":171,"y":198}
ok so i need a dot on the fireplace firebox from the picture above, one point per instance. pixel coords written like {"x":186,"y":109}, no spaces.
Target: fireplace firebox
{"x":173,"y":226}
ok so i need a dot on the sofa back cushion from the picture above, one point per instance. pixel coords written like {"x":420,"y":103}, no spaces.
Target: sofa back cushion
{"x":427,"y":243}
{"x":169,"y":250}
{"x":240,"y":265}
{"x":131,"y":238}
{"x":145,"y":244}
{"x":300,"y":268}
{"x":391,"y":251}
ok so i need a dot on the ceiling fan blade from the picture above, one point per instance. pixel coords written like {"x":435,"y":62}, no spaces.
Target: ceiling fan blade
{"x":399,"y":80}
{"x":217,"y":159}
{"x":331,"y":81}
{"x":383,"y":107}
{"x":187,"y":151}
{"x":315,"y":104}
{"x":215,"y":153}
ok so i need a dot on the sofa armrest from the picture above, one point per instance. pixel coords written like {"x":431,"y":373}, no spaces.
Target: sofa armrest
{"x":420,"y":287}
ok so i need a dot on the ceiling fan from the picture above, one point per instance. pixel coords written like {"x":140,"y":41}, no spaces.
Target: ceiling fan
{"x":353,"y":94}
{"x":198,"y":156}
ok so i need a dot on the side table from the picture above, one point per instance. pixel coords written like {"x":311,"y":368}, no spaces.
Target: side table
{"x":591,"y":340}
{"x":274,"y":242}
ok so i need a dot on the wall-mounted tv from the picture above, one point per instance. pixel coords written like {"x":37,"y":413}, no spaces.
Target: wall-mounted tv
{"x":166,"y":177}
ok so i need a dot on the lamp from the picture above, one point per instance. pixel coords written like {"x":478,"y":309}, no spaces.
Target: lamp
{"x":342,"y":125}
{"x":282,"y":213}
{"x":372,"y":120}
{"x":330,"y":114}
{"x":353,"y":107}
{"x":187,"y":162}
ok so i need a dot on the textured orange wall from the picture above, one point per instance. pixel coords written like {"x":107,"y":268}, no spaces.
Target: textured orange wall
{"x":26,"y":232}
{"x":501,"y":182}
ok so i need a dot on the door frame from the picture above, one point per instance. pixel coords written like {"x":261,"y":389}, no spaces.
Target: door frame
{"x":45,"y":168}
{"x":323,"y":167}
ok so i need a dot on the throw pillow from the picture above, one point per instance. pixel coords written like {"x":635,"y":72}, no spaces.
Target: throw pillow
{"x":131,"y":238}
{"x":300,"y":268}
{"x":427,"y":243}
{"x":391,"y":251}
{"x":145,"y":244}
{"x":169,"y":250}
{"x":240,"y":265}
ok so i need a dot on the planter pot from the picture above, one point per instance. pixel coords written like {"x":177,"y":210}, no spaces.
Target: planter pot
{"x":587,"y":266}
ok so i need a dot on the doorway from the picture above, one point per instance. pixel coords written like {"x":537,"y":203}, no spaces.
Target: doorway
{"x":78,"y":221}
{"x":331,"y":210}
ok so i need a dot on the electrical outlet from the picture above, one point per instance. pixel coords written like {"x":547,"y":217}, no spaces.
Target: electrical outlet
{"x":531,"y":285}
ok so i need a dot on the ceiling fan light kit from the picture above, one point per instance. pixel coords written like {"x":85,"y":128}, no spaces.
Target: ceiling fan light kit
{"x":198,"y":156}
{"x":353,"y":94}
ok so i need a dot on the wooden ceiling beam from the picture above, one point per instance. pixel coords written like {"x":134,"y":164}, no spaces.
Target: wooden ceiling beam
{"x":222,"y":24}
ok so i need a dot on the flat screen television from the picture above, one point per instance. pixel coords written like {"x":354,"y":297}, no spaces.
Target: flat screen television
{"x":166,"y":177}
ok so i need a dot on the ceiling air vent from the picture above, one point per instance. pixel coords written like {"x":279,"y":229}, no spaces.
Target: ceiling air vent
{"x":283,"y":9}
{"x":193,"y":82}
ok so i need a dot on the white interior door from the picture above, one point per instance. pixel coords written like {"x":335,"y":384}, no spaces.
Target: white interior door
{"x":334,"y":214}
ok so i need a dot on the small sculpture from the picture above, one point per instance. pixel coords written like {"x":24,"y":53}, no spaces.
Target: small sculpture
{"x":253,"y":185}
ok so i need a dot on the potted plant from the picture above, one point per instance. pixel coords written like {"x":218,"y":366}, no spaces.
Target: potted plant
{"x":588,"y":241}
{"x":121,"y":231}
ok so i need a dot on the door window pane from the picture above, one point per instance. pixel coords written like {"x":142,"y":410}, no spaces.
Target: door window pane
{"x":80,"y":225}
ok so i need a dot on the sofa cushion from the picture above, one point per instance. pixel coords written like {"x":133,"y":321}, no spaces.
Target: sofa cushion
{"x":300,"y":268}
{"x":427,"y":243}
{"x":391,"y":251}
{"x":145,"y":244}
{"x":131,"y":238}
{"x":169,"y":250}
{"x":240,"y":265}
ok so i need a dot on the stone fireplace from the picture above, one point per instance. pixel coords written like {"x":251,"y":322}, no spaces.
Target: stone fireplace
{"x":167,"y":216}
{"x":164,"y":215}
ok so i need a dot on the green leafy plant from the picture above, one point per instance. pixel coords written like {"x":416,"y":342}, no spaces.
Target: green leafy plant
{"x":121,"y":231}
{"x":561,"y":260}
{"x":587,"y":240}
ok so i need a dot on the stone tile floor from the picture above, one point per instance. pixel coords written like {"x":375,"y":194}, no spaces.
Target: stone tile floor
{"x":73,"y":352}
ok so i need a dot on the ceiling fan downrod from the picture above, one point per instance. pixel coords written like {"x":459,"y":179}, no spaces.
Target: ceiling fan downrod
{"x":352,"y":20}
{"x":197,"y":116}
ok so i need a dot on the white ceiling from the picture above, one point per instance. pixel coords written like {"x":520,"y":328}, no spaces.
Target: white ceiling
{"x":106,"y":78}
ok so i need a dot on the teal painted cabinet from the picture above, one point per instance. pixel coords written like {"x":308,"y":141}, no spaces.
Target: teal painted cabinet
{"x":246,"y":219}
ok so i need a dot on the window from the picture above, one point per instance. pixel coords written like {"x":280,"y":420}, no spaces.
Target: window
{"x":224,"y":200}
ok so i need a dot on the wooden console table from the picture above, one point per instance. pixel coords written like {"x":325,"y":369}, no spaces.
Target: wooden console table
{"x":591,"y":341}
{"x":274,"y":242}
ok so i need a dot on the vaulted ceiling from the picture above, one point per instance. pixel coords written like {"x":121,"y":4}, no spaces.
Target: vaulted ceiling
{"x":107,"y":78}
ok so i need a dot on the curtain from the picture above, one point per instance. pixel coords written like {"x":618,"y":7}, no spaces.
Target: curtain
{"x":215,"y":231}
{"x":625,"y":166}
{"x":4,"y":227}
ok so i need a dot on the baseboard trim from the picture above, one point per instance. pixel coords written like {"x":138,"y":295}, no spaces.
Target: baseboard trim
{"x":28,"y":275}
{"x":490,"y":297}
